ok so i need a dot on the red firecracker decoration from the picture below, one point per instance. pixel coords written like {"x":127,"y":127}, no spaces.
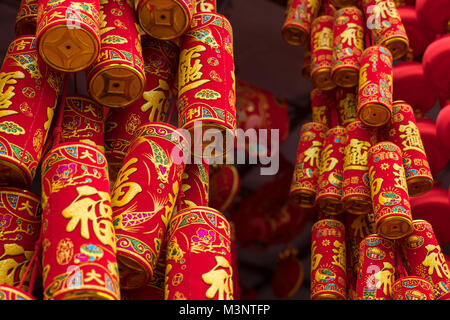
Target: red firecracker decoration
{"x":375,"y":86}
{"x":328,"y":261}
{"x":404,"y":133}
{"x":30,"y":91}
{"x":424,"y":258}
{"x":376,"y":268}
{"x":165,"y":20}
{"x":299,"y":17}
{"x":68,"y":33}
{"x":149,"y":172}
{"x":389,"y":190}
{"x":322,"y":52}
{"x":356,"y":194}
{"x":198,"y":261}
{"x":78,"y":240}
{"x":306,"y":171}
{"x":348,"y":35}
{"x":117,"y":78}
{"x":26,"y":18}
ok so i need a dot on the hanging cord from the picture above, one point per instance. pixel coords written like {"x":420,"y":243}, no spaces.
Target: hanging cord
{"x":172,"y":107}
{"x":58,"y":128}
{"x":400,"y":270}
{"x":34,"y":261}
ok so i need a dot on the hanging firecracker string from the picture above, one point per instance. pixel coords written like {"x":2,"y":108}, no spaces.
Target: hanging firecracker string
{"x":58,"y":125}
{"x":33,"y":263}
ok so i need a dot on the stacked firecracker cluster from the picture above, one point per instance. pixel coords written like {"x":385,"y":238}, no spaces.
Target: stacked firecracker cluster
{"x":361,"y":162}
{"x":119,"y":217}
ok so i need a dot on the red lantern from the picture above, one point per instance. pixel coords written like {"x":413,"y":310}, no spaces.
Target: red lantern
{"x":356,"y":194}
{"x":322,"y":52}
{"x":435,"y":14}
{"x":386,"y":26}
{"x":149,"y":171}
{"x":328,"y":261}
{"x":30,"y":91}
{"x":306,"y":171}
{"x":376,"y":268}
{"x":443,"y":127}
{"x":424,"y":258}
{"x":256,"y":109}
{"x":19,"y":230}
{"x":199,"y":265}
{"x":389,"y":190}
{"x":206,"y":83}
{"x":375,"y":86}
{"x":348,"y":38}
{"x":404,"y":133}
{"x":289,"y":274}
{"x":83,"y":122}
{"x":436,"y":64}
{"x":412,"y":87}
{"x":436,"y":155}
{"x":419,"y":35}
{"x":26,"y":18}
{"x":117,"y":78}
{"x":68,"y":33}
{"x":329,"y":189}
{"x":78,"y":240}
{"x":435,"y":208}
{"x":412,"y":288}
{"x":165,"y":20}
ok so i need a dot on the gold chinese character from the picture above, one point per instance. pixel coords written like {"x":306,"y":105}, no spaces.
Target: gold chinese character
{"x":220,"y":280}
{"x":339,"y":258}
{"x":6,"y":96}
{"x":348,"y":107}
{"x":125,"y":191}
{"x":319,"y":114}
{"x":375,"y":183}
{"x":327,"y":163}
{"x":85,"y":209}
{"x":400,"y":180}
{"x":22,"y":44}
{"x":386,"y":8}
{"x":189,"y":72}
{"x":411,"y":137}
{"x":384,"y":278}
{"x":356,"y":154}
{"x":350,"y":35}
{"x":157,"y":100}
{"x":312,"y":154}
{"x":435,"y":262}
{"x":316,"y":257}
{"x":323,"y":39}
